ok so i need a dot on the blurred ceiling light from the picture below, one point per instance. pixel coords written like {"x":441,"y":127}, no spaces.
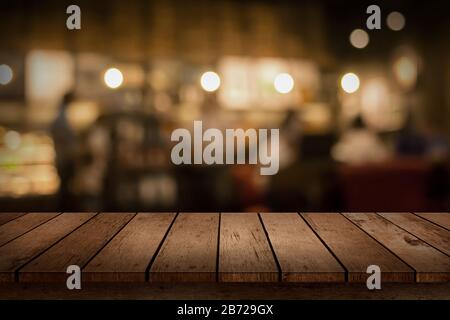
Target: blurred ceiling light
{"x":283,"y":83}
{"x":350,"y":82}
{"x":113,"y":78}
{"x":359,"y":38}
{"x":395,"y":21}
{"x":210,"y":81}
{"x":49,"y":75}
{"x":405,"y":71}
{"x":12,"y":140}
{"x":6,"y":74}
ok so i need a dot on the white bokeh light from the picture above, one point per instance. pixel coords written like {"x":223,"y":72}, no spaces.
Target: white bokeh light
{"x":350,"y":82}
{"x":283,"y":83}
{"x":113,"y":78}
{"x":6,"y":74}
{"x":359,"y":38}
{"x":210,"y":81}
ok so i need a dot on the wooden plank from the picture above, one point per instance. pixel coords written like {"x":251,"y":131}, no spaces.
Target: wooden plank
{"x":302,"y":256}
{"x":442,"y":219}
{"x":21,"y":250}
{"x":128,"y":255}
{"x":432,"y":234}
{"x":245,"y":254}
{"x":19,"y":226}
{"x":8,"y":216}
{"x":189,"y":252}
{"x":356,"y":250}
{"x":76,"y":249}
{"x":430,"y":264}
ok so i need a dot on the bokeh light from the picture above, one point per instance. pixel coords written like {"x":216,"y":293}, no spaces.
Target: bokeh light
{"x":350,"y":82}
{"x":359,"y":38}
{"x":283,"y":83}
{"x":6,"y":74}
{"x":405,"y":71}
{"x":396,"y":21}
{"x":210,"y":81}
{"x":113,"y":78}
{"x":374,"y":96}
{"x":12,"y":140}
{"x":381,"y":106}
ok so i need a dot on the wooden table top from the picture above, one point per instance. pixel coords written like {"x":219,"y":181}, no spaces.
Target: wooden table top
{"x":225,"y":247}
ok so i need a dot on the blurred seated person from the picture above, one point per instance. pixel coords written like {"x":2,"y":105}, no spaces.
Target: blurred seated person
{"x":410,"y":142}
{"x":359,"y":145}
{"x":65,"y":143}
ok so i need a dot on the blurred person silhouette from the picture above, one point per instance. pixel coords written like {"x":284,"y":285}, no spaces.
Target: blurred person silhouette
{"x":285,"y":189}
{"x":360,"y":145}
{"x":65,"y":142}
{"x":410,"y":142}
{"x":290,"y":138}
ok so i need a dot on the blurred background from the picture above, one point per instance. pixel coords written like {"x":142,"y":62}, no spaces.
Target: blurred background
{"x":86,"y":115}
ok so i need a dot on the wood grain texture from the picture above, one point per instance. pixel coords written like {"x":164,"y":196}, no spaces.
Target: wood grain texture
{"x":436,"y":236}
{"x":301,"y":254}
{"x":442,"y":219}
{"x":430,"y":264}
{"x":21,"y":250}
{"x":311,"y":247}
{"x":126,"y":257}
{"x":356,"y":250}
{"x":189,"y":252}
{"x":19,"y":226}
{"x":76,"y":249}
{"x":8,"y":216}
{"x":245,"y":254}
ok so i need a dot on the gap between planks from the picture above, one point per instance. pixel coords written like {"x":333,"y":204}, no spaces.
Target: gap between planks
{"x":275,"y":267}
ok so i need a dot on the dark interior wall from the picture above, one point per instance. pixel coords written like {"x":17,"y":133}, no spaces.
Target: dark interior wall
{"x":437,"y":77}
{"x":199,"y":29}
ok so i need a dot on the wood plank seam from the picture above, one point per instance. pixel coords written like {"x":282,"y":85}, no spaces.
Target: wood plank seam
{"x":271,"y":248}
{"x":188,"y":254}
{"x":265,"y":229}
{"x":245,"y":254}
{"x":75,"y":249}
{"x":420,"y":238}
{"x":430,"y":265}
{"x":19,"y":214}
{"x":326,"y":246}
{"x":357,"y":250}
{"x":57,"y":215}
{"x":106,"y":243}
{"x":428,"y":220}
{"x":302,"y":256}
{"x":158,"y":249}
{"x":126,"y":256}
{"x":218,"y":248}
{"x":16,"y":272}
{"x":387,"y":248}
